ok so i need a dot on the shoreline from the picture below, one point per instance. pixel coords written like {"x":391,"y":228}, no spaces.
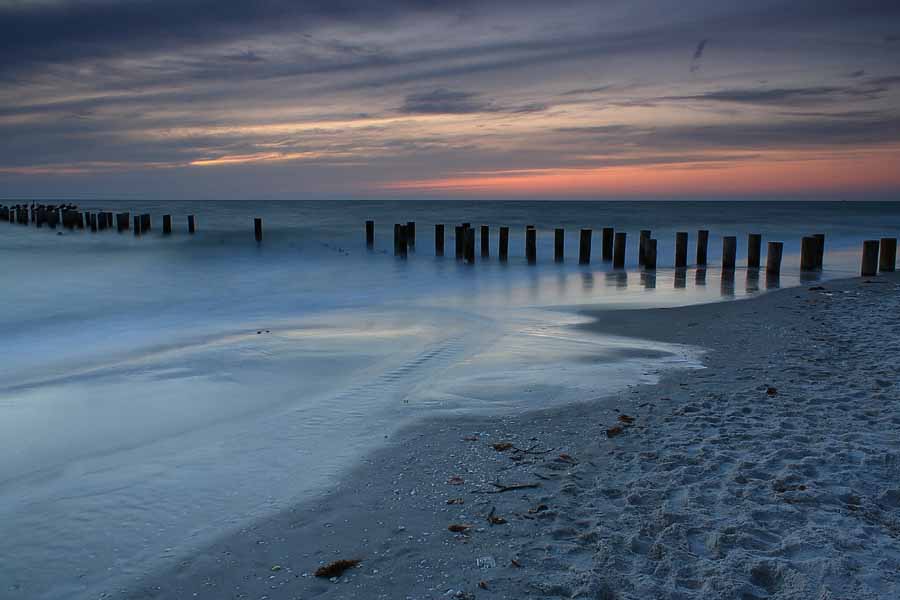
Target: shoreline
{"x":391,"y":511}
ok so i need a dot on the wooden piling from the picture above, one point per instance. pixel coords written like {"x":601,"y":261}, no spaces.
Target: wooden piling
{"x":460,"y":241}
{"x":397,"y":239}
{"x":146,"y":223}
{"x":729,"y":252}
{"x":403,"y":240}
{"x":642,"y":241}
{"x":650,"y":254}
{"x":559,"y":245}
{"x":192,"y":224}
{"x":439,"y":239}
{"x":820,"y":250}
{"x":101,"y":221}
{"x":584,"y":247}
{"x":774,"y":251}
{"x":869,"y":258}
{"x":619,"y":250}
{"x":167,"y":224}
{"x":887,"y":261}
{"x":470,"y":245}
{"x":93,"y":222}
{"x":754,"y":247}
{"x":122,"y":221}
{"x":485,"y":241}
{"x":681,"y":246}
{"x":370,"y":234}
{"x":137,"y":225}
{"x":702,"y":245}
{"x":257,"y":229}
{"x":411,"y":234}
{"x":809,"y":247}
{"x":607,"y":243}
{"x":531,"y":245}
{"x":503,"y":249}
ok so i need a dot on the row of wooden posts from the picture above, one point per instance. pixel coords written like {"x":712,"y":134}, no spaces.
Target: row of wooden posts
{"x":812,"y":248}
{"x":70,"y":217}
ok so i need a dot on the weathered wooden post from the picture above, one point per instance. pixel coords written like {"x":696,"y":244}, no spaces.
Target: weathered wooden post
{"x":754,"y":247}
{"x":397,"y":227}
{"x":820,"y":250}
{"x":681,"y":245}
{"x":370,"y":234}
{"x":531,"y":245}
{"x":470,"y":245}
{"x":642,"y":241}
{"x":485,"y":241}
{"x":122,"y":221}
{"x":584,"y":247}
{"x":403,"y":240}
{"x":869,"y":258}
{"x":109,"y":219}
{"x":411,"y":234}
{"x":101,"y":221}
{"x":503,"y":250}
{"x":257,"y":229}
{"x":137,"y":225}
{"x":702,"y":244}
{"x":607,"y":243}
{"x":729,"y":252}
{"x":460,"y":241}
{"x":619,"y":250}
{"x":192,"y":224}
{"x":809,"y":248}
{"x":887,"y":262}
{"x":167,"y":224}
{"x":93,"y":222}
{"x":650,"y":254}
{"x":146,"y":223}
{"x":773,"y":257}
{"x":559,"y":245}
{"x":439,"y":239}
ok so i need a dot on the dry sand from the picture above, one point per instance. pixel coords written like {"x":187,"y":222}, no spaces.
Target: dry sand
{"x":772,"y":473}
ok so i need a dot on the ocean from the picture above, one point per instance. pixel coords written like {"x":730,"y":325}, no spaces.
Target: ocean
{"x":159,"y":391}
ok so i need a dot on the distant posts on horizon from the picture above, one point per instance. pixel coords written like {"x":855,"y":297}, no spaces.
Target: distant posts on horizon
{"x":887,"y":262}
{"x":92,"y":219}
{"x":137,"y":225}
{"x":774,"y":251}
{"x":531,"y":244}
{"x":681,"y":246}
{"x":460,"y":241}
{"x":192,"y":224}
{"x":809,"y":248}
{"x":411,"y":234}
{"x":820,"y":250}
{"x":584,"y":247}
{"x":702,"y":245}
{"x":559,"y":245}
{"x":729,"y":252}
{"x":642,"y":241}
{"x":470,"y":245}
{"x":370,"y":234}
{"x":167,"y":224}
{"x":438,"y":238}
{"x":754,"y":247}
{"x":503,"y":246}
{"x":146,"y":223}
{"x":607,"y":241}
{"x":650,"y":254}
{"x":869,"y":258}
{"x":257,"y":229}
{"x":619,"y":250}
{"x":485,"y":241}
{"x":122,"y":220}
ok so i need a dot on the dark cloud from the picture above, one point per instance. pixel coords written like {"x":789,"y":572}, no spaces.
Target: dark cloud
{"x":444,"y":101}
{"x":855,"y":74}
{"x":785,"y":96}
{"x":698,"y":54}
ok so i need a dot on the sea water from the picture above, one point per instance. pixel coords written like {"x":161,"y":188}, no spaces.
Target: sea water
{"x":159,"y":391}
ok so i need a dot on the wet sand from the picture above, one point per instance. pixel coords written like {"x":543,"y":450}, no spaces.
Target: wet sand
{"x":772,"y":473}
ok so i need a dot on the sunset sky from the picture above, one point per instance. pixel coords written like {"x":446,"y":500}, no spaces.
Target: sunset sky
{"x":418,"y":99}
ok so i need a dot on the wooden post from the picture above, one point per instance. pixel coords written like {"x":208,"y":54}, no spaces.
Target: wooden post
{"x":607,"y":242}
{"x":650,"y":254}
{"x":531,"y":245}
{"x":470,"y":245}
{"x":485,"y":241}
{"x":146,"y":224}
{"x":83,"y":218}
{"x":584,"y":247}
{"x":642,"y":241}
{"x":192,"y":224}
{"x":754,"y":247}
{"x":773,"y":257}
{"x":411,"y":234}
{"x":460,"y":241}
{"x":403,"y":240}
{"x":887,"y":261}
{"x":869,"y":258}
{"x":809,"y":248}
{"x":559,"y":245}
{"x":167,"y":224}
{"x":370,"y":234}
{"x":109,"y":219}
{"x":503,"y":250}
{"x":439,"y":239}
{"x":702,"y":244}
{"x":619,"y":250}
{"x":93,"y":221}
{"x":102,"y":223}
{"x":397,"y":239}
{"x":122,"y":221}
{"x":729,"y":252}
{"x":681,"y":244}
{"x":257,"y":229}
{"x":820,"y":250}
{"x":137,"y":225}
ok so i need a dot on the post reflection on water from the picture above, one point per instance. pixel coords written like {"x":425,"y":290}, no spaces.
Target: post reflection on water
{"x":617,"y":279}
{"x":648,"y":280}
{"x":680,"y":279}
{"x":752,"y":285}
{"x":726,"y":287}
{"x":700,"y":276}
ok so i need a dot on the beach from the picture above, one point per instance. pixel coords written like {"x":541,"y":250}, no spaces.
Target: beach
{"x":770,"y":473}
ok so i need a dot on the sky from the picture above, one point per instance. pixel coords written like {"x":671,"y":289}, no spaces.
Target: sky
{"x":285,"y":99}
